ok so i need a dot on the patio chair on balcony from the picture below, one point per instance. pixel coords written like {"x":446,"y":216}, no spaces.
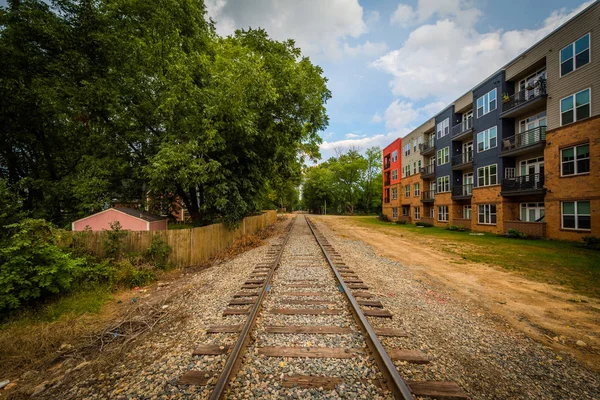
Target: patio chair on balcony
{"x":509,"y":144}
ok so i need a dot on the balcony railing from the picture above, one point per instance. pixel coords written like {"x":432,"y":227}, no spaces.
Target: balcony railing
{"x":386,"y":182}
{"x":524,"y":139}
{"x":386,"y":164}
{"x":428,"y":195}
{"x":462,"y":190}
{"x":428,"y":169}
{"x":386,"y":200}
{"x":464,"y":126}
{"x":525,"y":183}
{"x":463,"y":158}
{"x":428,"y":145}
{"x":536,"y":89}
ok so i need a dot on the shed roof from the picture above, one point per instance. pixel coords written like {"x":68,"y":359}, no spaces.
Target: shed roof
{"x":140,"y":214}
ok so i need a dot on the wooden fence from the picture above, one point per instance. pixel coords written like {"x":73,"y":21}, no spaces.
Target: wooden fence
{"x":190,"y":246}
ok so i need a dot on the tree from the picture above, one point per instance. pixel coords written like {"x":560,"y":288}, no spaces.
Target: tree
{"x":318,"y":187}
{"x":348,"y":169}
{"x":372,"y":186}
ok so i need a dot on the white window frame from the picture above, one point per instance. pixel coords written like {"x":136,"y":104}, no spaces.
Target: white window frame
{"x":417,"y":189}
{"x":443,"y":128}
{"x":443,"y":184}
{"x":444,"y":155}
{"x":576,"y":215}
{"x":487,"y":214}
{"x":394,"y":155}
{"x":443,"y":213}
{"x":481,"y":172}
{"x":575,"y":107}
{"x":470,"y":211}
{"x":575,"y":160}
{"x":405,"y":211}
{"x":526,"y":207}
{"x":394,"y":193}
{"x":486,"y":139}
{"x":406,"y":191}
{"x":417,"y":212}
{"x":394,"y":212}
{"x":394,"y":174}
{"x":486,"y":102}
{"x":574,"y":56}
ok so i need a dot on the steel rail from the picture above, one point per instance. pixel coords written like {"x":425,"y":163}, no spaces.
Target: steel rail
{"x":393,"y":379}
{"x":235,"y":357}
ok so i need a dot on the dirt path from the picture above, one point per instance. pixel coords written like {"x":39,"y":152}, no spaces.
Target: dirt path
{"x":544,"y":312}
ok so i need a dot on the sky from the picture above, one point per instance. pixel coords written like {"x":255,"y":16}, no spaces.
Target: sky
{"x":392,"y":65}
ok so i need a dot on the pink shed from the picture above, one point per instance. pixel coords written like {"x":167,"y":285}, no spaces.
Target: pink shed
{"x":129,"y":218}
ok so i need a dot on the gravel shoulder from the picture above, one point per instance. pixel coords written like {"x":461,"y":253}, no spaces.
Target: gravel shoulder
{"x":480,"y":350}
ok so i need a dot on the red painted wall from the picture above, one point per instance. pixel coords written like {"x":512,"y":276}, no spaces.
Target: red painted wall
{"x":102,"y":221}
{"x":396,"y":165}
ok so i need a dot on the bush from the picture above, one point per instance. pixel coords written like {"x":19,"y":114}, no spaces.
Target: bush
{"x":516,"y":234}
{"x":591,"y":242}
{"x":113,"y":244}
{"x":424,"y":224}
{"x":459,"y":228}
{"x":132,"y":275}
{"x":401,"y":222}
{"x":383,"y":218}
{"x":158,"y":252}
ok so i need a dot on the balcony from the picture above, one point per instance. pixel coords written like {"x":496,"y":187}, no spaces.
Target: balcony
{"x":462,"y":130}
{"x":428,"y":171}
{"x":462,"y":192}
{"x":533,"y":139}
{"x":386,"y":200}
{"x":427,"y":196}
{"x":523,"y":185}
{"x":428,"y":146}
{"x":386,"y":182}
{"x":386,"y":164}
{"x":462,"y":160}
{"x":525,"y":100}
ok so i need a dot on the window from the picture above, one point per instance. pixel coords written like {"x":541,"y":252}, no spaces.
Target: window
{"x":419,"y":165}
{"x":417,"y":189}
{"x":420,"y":141}
{"x":575,"y":160}
{"x":486,"y":103}
{"x":532,"y":212}
{"x":487,"y":139}
{"x":443,"y":184}
{"x":414,"y":142}
{"x":395,"y":156}
{"x":394,"y":193}
{"x":407,"y":191}
{"x":575,"y":55}
{"x":575,"y":107}
{"x":394,"y":212}
{"x":487,"y":176}
{"x":394,"y":174}
{"x":443,"y":156}
{"x":405,"y":211}
{"x":467,"y":212}
{"x":443,"y":213}
{"x":487,"y":214}
{"x":443,"y":128}
{"x":407,"y":149}
{"x":415,"y":167}
{"x":417,"y":212}
{"x":431,"y":212}
{"x":576,"y":215}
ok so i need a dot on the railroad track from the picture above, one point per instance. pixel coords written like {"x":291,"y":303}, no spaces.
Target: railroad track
{"x":301,"y":327}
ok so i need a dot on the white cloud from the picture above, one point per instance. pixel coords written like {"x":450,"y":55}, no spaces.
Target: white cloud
{"x":404,"y":15}
{"x":445,"y":59}
{"x":401,"y":116}
{"x":377,"y":118}
{"x":351,"y":135}
{"x":380,"y":140}
{"x":318,"y":27}
{"x":368,"y":49}
{"x":462,"y":11}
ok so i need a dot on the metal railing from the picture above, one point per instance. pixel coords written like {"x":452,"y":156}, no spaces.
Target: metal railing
{"x":428,"y":195}
{"x":535,"y":89}
{"x":386,"y":182}
{"x":428,"y":169}
{"x":386,"y":164}
{"x":523,"y":183}
{"x":462,"y":190}
{"x":428,"y":145}
{"x":524,"y":139}
{"x":463,"y":158}
{"x":462,"y":127}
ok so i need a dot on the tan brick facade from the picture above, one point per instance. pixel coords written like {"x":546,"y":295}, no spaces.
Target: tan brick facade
{"x":572,"y":188}
{"x":412,"y":201}
{"x":394,"y":203}
{"x":487,"y":195}
{"x":442,"y":199}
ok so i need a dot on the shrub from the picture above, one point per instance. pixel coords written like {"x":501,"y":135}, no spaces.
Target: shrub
{"x":459,"y":228}
{"x":158,"y":252}
{"x":591,"y":242}
{"x":383,"y":218}
{"x":131,"y":275}
{"x":516,"y":234}
{"x":401,"y":222}
{"x":424,"y":224}
{"x":113,"y":243}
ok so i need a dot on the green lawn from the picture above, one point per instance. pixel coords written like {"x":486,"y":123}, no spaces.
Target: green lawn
{"x":552,"y":261}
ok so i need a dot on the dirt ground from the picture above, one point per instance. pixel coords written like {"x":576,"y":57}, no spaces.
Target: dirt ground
{"x":544,"y":312}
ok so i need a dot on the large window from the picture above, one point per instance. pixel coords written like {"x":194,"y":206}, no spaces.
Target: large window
{"x":417,"y":212}
{"x":407,"y":191}
{"x":407,"y":149}
{"x":532,"y":212}
{"x":575,"y":55}
{"x":394,"y":174}
{"x":576,"y":215}
{"x":394,"y":212}
{"x":575,"y":107}
{"x":443,"y":213}
{"x":417,"y":189}
{"x":443,"y":184}
{"x":443,"y":156}
{"x":443,"y":128}
{"x":487,"y":139}
{"x":575,"y":160}
{"x":415,"y":167}
{"x":405,"y":211}
{"x":467,"y":212}
{"x":486,"y":103}
{"x":395,"y":155}
{"x":487,"y":176}
{"x":394,"y":193}
{"x":487,"y":214}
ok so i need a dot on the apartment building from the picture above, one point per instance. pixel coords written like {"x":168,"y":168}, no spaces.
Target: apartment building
{"x":392,"y":161}
{"x":521,"y":150}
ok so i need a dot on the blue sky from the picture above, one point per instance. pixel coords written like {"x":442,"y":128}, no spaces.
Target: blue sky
{"x":392,"y":65}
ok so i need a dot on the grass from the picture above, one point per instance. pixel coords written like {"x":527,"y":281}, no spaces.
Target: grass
{"x":557,"y":262}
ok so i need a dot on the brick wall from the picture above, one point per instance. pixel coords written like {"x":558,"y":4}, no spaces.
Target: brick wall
{"x":572,"y":188}
{"x":535,"y":229}
{"x":411,"y":201}
{"x":442,"y":199}
{"x":487,"y":195}
{"x":466,"y":223}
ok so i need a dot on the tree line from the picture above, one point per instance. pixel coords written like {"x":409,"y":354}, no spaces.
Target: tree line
{"x":129,"y":100}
